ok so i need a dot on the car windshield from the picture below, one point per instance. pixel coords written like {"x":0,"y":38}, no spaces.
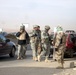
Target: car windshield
{"x":2,"y":38}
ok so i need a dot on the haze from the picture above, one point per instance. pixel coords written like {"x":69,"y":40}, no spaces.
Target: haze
{"x":42,"y":12}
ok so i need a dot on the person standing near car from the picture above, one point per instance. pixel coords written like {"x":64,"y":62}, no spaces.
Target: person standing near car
{"x":59,"y":45}
{"x":35,"y":38}
{"x":22,"y":37}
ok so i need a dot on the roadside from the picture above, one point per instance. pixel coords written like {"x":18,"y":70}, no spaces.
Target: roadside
{"x":7,"y":62}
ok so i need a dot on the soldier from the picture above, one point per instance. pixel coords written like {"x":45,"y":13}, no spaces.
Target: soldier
{"x":35,"y":39}
{"x":60,"y":44}
{"x":22,"y":37}
{"x":39,"y":42}
{"x":45,"y":44}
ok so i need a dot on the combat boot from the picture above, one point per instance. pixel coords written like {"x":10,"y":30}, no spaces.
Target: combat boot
{"x":18,"y":58}
{"x":39,"y":58}
{"x":60,"y":66}
{"x":33,"y":58}
{"x":47,"y":60}
{"x":36,"y":59}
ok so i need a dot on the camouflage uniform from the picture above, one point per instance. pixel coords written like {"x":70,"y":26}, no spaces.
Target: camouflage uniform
{"x":39,"y":41}
{"x":35,"y":39}
{"x":59,"y":44}
{"x":45,"y":44}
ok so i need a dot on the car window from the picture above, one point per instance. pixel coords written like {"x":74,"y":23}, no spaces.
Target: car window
{"x":72,"y":38}
{"x":71,"y":35}
{"x":2,"y":38}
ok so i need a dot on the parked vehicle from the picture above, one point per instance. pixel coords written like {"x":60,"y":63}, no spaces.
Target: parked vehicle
{"x":7,"y":46}
{"x":70,"y":44}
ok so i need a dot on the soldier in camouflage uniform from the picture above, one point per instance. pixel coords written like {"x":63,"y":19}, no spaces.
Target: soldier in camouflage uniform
{"x":45,"y":44}
{"x":60,"y":44}
{"x":35,"y":39}
{"x":39,"y":42}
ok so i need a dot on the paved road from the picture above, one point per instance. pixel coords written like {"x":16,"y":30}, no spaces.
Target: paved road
{"x":11,"y":66}
{"x":28,"y":71}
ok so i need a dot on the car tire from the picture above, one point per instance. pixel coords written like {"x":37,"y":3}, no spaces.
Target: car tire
{"x":12,"y":54}
{"x":71,"y":53}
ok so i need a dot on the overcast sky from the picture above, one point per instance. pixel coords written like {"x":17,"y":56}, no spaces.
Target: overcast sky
{"x":42,"y":12}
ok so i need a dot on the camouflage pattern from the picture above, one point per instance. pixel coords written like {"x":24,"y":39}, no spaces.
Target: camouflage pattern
{"x":39,"y":42}
{"x":45,"y":43}
{"x":21,"y":51}
{"x":60,"y":44}
{"x":35,"y":40}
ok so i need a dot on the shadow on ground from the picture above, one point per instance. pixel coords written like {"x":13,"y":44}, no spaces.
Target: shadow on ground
{"x":29,"y":71}
{"x":7,"y":58}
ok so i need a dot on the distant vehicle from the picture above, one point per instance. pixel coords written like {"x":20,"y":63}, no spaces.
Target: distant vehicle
{"x":70,"y":45}
{"x":69,"y":31}
{"x":7,"y":47}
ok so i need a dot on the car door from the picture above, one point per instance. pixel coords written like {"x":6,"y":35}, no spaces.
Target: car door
{"x":4,"y":47}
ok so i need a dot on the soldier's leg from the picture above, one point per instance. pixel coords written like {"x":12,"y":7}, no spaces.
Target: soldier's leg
{"x":60,"y":58}
{"x":19,"y":51}
{"x":39,"y":48}
{"x":36,"y":52}
{"x":33,"y":46}
{"x":54,"y":54}
{"x":42,"y":53}
{"x":47,"y":53}
{"x":61,"y":64}
{"x":24,"y":51}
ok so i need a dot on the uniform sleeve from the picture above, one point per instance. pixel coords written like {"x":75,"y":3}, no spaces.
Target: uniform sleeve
{"x":44,"y":36}
{"x":32,"y":34}
{"x":18,"y":34}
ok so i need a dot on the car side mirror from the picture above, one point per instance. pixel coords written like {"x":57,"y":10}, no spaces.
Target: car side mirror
{"x":7,"y":40}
